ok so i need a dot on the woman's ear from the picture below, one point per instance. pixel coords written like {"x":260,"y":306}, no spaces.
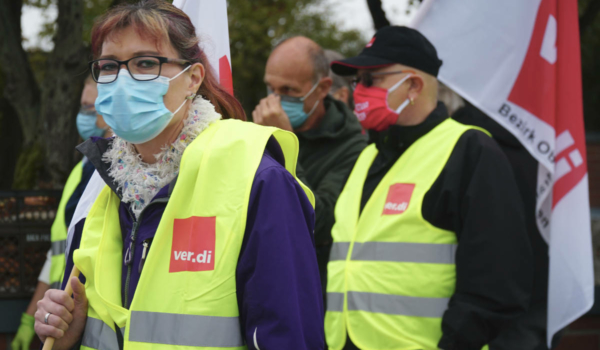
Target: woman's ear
{"x":197,"y":74}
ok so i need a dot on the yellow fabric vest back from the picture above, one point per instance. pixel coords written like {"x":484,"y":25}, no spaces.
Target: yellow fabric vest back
{"x":391,"y":273}
{"x":179,"y":302}
{"x":58,"y":232}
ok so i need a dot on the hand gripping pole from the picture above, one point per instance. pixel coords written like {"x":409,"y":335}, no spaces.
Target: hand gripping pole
{"x":49,"y":343}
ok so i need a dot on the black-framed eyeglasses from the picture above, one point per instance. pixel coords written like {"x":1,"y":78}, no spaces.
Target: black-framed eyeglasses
{"x":142,"y":68}
{"x":366,"y":78}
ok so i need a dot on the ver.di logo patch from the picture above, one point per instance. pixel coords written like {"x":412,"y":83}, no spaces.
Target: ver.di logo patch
{"x":398,"y":199}
{"x":193,"y":247}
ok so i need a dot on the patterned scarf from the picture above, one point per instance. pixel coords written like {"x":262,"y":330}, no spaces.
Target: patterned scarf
{"x":139,"y":182}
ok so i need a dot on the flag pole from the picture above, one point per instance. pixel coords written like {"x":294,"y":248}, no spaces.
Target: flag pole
{"x":49,"y":343}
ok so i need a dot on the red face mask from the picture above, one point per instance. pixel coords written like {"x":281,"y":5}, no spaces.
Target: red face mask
{"x":372,"y":109}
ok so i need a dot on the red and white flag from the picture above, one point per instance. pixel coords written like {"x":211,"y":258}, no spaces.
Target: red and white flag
{"x":212,"y":28}
{"x":519,"y":62}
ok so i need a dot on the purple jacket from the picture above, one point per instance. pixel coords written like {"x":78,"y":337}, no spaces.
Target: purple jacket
{"x":278,"y":285}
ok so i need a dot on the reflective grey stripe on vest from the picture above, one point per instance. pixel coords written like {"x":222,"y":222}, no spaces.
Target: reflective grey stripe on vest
{"x":335,"y":301}
{"x":339,"y":251}
{"x":59,"y":247}
{"x":98,"y":335}
{"x":404,"y":252}
{"x":397,"y":304}
{"x":185,"y":330}
{"x":55,"y":285}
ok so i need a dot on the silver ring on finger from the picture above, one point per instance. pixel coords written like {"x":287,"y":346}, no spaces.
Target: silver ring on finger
{"x":46,"y":317}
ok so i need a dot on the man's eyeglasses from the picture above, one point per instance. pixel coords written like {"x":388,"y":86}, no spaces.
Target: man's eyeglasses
{"x":141,"y":68}
{"x":366,"y":78}
{"x":291,"y":98}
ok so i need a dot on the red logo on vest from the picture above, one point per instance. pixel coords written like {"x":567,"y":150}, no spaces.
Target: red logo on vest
{"x":193,"y":247}
{"x":398,"y":199}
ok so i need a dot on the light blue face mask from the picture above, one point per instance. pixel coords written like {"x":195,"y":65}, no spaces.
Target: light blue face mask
{"x":86,"y":125}
{"x":135,"y":110}
{"x":294,"y":108}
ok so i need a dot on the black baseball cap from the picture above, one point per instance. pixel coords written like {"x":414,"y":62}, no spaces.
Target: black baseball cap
{"x":390,"y":45}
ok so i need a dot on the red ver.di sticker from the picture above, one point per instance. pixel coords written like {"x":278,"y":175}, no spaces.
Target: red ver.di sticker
{"x":398,"y":199}
{"x":193,"y":247}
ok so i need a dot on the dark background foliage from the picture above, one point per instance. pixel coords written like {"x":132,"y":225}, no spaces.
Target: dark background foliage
{"x":40,"y":90}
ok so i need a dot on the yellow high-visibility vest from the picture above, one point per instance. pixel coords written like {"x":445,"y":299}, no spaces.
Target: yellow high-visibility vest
{"x":186,"y":295}
{"x":58,"y":231}
{"x":391,"y":273}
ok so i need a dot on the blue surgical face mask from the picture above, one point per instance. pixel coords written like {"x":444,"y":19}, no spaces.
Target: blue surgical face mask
{"x":135,"y":110}
{"x":86,"y":125}
{"x":294,"y":108}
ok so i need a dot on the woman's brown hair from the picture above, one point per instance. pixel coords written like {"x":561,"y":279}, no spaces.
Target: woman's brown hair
{"x":157,"y":19}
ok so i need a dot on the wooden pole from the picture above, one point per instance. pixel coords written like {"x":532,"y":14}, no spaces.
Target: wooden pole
{"x":49,"y":343}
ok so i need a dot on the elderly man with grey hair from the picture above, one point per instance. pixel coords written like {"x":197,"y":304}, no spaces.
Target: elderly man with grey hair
{"x":331,"y":139}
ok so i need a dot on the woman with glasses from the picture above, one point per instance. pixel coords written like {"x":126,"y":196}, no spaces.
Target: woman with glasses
{"x":202,"y":236}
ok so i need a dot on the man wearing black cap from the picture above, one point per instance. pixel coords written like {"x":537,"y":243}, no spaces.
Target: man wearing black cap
{"x":430,"y":245}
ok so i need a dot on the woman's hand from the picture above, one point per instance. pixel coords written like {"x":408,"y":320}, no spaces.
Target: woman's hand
{"x":68,"y":316}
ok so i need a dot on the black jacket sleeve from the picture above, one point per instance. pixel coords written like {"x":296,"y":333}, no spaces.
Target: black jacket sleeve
{"x":476,"y":197}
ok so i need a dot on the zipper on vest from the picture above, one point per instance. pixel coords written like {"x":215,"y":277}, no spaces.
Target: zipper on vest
{"x":129,"y":254}
{"x":129,"y":260}
{"x":131,"y":249}
{"x":146,"y":245}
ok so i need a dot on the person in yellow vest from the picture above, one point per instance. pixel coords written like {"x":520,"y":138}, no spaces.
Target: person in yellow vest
{"x":202,"y":236}
{"x":89,"y":124}
{"x":430,"y":245}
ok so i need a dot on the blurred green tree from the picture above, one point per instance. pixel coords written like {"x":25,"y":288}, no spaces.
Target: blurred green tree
{"x":43,"y":107}
{"x":41,"y":90}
